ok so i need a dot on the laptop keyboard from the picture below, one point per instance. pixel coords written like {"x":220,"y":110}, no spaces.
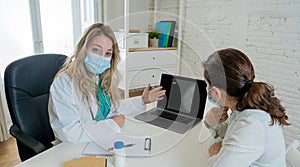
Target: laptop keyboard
{"x":173,"y":117}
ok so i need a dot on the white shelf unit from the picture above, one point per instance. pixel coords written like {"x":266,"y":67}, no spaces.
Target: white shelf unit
{"x":140,"y":67}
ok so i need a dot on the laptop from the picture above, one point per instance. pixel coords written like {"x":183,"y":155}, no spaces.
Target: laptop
{"x":181,"y":108}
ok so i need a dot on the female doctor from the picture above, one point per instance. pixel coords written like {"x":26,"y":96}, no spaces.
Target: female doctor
{"x":84,"y":103}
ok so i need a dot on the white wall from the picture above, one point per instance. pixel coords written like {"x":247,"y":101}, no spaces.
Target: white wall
{"x":140,"y":18}
{"x":267,"y":31}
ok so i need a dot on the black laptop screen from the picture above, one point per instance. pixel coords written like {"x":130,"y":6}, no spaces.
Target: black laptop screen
{"x":184,"y":95}
{"x":181,"y":95}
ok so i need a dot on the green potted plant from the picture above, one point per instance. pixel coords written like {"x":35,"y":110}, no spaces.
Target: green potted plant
{"x":153,"y":37}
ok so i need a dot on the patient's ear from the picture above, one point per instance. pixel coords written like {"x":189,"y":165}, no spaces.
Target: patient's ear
{"x":217,"y":94}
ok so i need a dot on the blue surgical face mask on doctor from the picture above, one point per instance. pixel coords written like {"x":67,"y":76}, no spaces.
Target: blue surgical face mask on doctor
{"x":96,"y":64}
{"x":210,"y":99}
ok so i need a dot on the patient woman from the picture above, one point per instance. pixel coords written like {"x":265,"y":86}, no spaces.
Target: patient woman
{"x":253,"y":132}
{"x":84,"y":103}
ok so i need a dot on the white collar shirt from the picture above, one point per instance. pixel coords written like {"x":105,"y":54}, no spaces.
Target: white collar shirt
{"x":71,"y":119}
{"x":250,"y":141}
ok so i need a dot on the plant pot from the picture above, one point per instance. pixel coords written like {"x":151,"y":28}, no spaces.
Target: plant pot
{"x":153,"y":43}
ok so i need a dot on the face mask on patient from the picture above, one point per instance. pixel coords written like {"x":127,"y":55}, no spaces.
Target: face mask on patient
{"x":210,"y":99}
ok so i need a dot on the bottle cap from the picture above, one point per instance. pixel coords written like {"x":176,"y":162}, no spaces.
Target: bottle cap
{"x":119,"y":145}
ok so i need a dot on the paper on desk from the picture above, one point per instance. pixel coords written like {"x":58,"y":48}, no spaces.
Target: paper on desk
{"x":138,"y":150}
{"x":94,"y":149}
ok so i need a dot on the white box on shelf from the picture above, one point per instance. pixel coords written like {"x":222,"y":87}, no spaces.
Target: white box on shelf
{"x":134,"y":40}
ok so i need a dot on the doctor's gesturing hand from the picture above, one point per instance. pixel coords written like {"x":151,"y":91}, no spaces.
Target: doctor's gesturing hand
{"x":153,"y":95}
{"x":148,"y":96}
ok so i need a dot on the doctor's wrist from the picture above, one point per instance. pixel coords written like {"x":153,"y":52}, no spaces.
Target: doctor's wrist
{"x":145,"y":99}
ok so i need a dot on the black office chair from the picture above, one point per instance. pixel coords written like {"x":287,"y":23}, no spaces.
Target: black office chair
{"x":27,"y":82}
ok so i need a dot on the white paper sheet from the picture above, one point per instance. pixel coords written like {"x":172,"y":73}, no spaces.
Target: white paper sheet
{"x":141,"y":148}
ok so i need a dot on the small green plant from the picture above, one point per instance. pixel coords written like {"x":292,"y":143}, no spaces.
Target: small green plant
{"x":154,"y":33}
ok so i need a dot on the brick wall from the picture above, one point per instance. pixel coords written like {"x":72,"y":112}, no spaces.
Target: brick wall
{"x":267,"y":31}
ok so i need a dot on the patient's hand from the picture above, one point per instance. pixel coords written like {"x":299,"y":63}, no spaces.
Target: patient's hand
{"x":215,"y":116}
{"x":152,"y":95}
{"x":214,"y":149}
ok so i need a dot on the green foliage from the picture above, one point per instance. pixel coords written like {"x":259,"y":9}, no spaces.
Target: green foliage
{"x":154,"y":33}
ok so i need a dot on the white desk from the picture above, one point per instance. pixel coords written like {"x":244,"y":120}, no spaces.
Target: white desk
{"x":169,"y":149}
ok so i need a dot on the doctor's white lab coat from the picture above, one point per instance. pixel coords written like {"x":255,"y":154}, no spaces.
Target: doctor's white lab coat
{"x":71,"y":119}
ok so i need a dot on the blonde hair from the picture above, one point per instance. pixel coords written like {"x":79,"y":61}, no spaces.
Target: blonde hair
{"x":85,"y":80}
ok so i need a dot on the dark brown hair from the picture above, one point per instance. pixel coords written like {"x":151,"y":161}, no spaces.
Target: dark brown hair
{"x":231,"y":70}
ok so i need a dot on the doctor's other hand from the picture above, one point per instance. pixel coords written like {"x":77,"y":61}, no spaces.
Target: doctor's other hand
{"x":214,"y":149}
{"x":119,"y":119}
{"x":152,"y":95}
{"x":215,"y":116}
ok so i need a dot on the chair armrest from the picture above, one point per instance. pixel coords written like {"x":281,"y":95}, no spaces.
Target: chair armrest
{"x":27,"y":140}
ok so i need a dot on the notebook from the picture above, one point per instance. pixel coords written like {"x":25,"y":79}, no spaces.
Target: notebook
{"x":182,"y":106}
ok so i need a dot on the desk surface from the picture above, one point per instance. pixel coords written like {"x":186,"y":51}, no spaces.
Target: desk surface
{"x":169,"y":149}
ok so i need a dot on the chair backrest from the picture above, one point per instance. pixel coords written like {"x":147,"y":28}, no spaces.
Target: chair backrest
{"x":27,"y":83}
{"x":293,"y":155}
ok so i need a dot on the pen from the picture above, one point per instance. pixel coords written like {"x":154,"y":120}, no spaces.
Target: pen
{"x":125,"y":146}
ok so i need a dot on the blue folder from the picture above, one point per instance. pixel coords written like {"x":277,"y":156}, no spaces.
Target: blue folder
{"x":172,"y":31}
{"x":164,"y":28}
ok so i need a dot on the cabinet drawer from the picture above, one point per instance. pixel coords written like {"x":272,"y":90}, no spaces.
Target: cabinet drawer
{"x":140,"y":78}
{"x":144,"y":59}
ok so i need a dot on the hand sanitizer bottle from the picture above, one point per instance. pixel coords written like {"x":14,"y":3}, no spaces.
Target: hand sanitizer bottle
{"x":119,"y":154}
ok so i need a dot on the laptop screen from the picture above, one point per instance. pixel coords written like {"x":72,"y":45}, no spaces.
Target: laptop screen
{"x":181,"y":95}
{"x":184,"y":95}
